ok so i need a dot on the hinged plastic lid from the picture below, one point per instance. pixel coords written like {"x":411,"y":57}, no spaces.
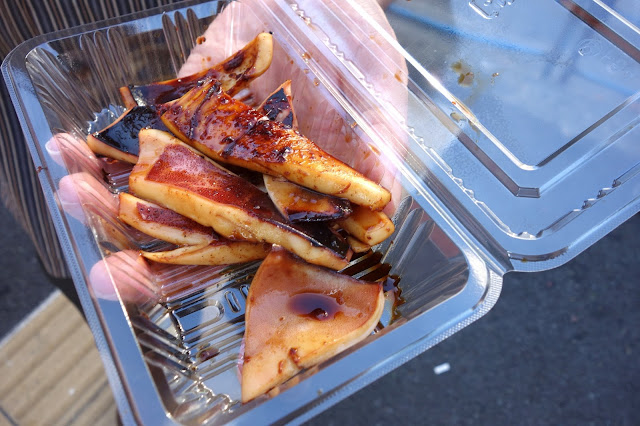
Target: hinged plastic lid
{"x":522,"y":116}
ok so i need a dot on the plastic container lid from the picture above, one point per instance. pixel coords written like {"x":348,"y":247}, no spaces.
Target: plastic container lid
{"x":524,"y":117}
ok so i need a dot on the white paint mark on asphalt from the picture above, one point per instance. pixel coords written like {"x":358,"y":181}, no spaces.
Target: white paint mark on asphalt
{"x":442,"y":368}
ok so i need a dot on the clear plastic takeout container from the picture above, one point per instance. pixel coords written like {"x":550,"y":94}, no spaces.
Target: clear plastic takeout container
{"x":511,"y":128}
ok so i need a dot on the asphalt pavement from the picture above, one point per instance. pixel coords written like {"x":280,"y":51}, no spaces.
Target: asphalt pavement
{"x":560,"y":347}
{"x":23,"y":283}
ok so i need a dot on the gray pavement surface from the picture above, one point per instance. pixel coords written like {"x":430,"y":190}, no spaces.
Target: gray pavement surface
{"x":23,"y":283}
{"x":560,"y":347}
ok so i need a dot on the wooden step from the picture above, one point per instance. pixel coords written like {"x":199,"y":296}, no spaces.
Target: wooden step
{"x":51,"y":373}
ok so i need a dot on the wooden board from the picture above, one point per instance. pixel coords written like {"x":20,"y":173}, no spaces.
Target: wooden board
{"x":51,"y":373}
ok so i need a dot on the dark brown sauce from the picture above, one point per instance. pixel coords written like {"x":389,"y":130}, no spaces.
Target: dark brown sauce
{"x":316,"y":306}
{"x":390,"y":286}
{"x":293,"y":354}
{"x":254,"y":178}
{"x":379,"y":273}
{"x":234,"y":62}
{"x":195,"y":118}
{"x":364,"y":264}
{"x":278,"y":105}
{"x":159,"y":93}
{"x":123,"y":134}
{"x":305,"y":205}
{"x":321,"y":235}
{"x":211,"y":117}
{"x":267,"y":142}
{"x":303,"y":211}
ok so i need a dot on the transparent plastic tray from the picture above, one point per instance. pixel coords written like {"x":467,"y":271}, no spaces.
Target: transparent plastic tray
{"x":513,"y":141}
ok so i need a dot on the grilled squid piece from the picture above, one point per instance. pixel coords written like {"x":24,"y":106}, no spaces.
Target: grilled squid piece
{"x":279,"y":106}
{"x":367,"y":226}
{"x":229,"y":131}
{"x":177,"y":177}
{"x":234,"y":74}
{"x":296,"y":203}
{"x":219,"y":252}
{"x":299,"y":204}
{"x":203,"y":246}
{"x":299,"y":315}
{"x":161,"y":223}
{"x":120,"y":139}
